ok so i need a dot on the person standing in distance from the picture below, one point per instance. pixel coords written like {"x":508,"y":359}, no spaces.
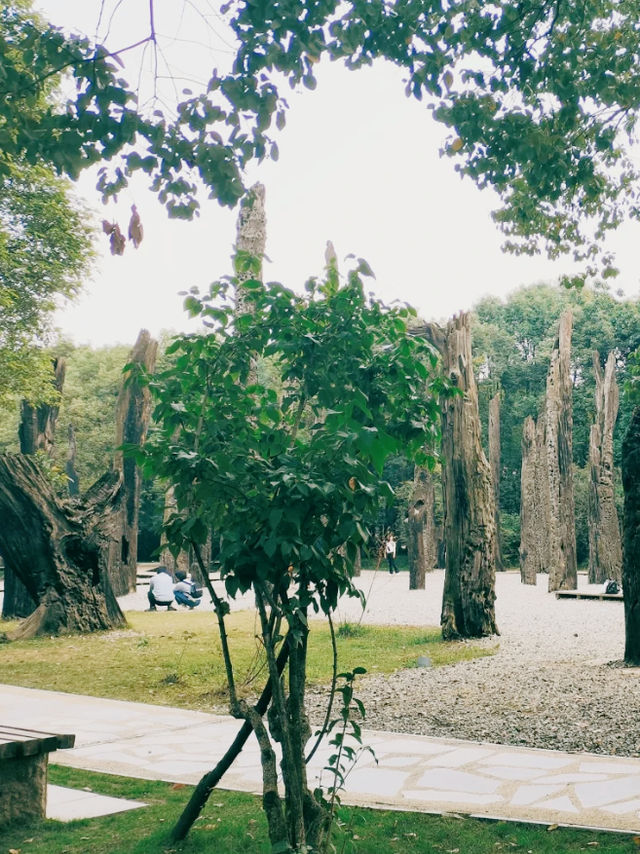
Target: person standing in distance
{"x":390,"y":553}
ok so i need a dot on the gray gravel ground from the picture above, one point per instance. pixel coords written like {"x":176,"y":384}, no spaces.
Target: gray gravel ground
{"x":555,"y":680}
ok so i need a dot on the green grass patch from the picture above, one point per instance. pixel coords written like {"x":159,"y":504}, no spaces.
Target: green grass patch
{"x":175,"y":659}
{"x":233,"y":823}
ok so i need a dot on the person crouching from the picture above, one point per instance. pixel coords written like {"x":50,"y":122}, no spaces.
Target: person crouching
{"x":184,"y":590}
{"x":161,"y":590}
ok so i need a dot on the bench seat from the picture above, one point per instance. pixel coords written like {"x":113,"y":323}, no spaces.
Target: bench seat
{"x":24,"y":755}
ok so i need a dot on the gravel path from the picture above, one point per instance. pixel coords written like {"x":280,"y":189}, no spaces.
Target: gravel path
{"x":555,"y":680}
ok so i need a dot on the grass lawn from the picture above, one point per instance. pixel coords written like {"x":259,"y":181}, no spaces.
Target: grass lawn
{"x":174,"y":658}
{"x":232,"y":823}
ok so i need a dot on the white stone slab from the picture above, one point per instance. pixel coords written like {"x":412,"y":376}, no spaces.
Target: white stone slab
{"x":599,"y":794}
{"x":598,"y":766}
{"x":64,"y":804}
{"x":563,"y":804}
{"x":527,"y":795}
{"x":623,"y":808}
{"x":458,"y":757}
{"x":438,"y":796}
{"x":457,"y":781}
{"x":575,"y":777}
{"x":519,"y":774}
{"x":528,"y":760}
{"x":376,"y":781}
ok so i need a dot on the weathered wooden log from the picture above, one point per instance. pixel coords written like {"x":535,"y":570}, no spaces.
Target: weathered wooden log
{"x":133,"y":412}
{"x":494,"y":464}
{"x":36,"y":433}
{"x":421,"y":543}
{"x":605,"y":546}
{"x":631,"y":539}
{"x":70,"y":464}
{"x":468,"y":604}
{"x":563,"y":568}
{"x":59,"y":549}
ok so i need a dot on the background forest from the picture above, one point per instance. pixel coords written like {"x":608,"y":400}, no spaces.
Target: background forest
{"x":512,"y":343}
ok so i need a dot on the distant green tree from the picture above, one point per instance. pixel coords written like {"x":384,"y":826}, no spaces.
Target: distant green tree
{"x":45,"y":251}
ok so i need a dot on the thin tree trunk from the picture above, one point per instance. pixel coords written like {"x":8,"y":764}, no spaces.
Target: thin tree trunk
{"x":421,"y":545}
{"x":563,"y":570}
{"x":631,"y":528}
{"x":495,"y":466}
{"x":70,"y":465}
{"x":605,"y":547}
{"x":529,"y":505}
{"x":468,"y":603}
{"x":59,"y":549}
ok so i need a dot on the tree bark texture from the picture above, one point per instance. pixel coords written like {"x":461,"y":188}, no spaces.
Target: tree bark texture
{"x":421,"y":543}
{"x":534,"y":502}
{"x":631,"y":530}
{"x":182,"y":561}
{"x":36,"y":433}
{"x":251,"y":238}
{"x":494,"y":463}
{"x":468,"y":604}
{"x":60,"y":549}
{"x":38,"y":423}
{"x":133,"y":412}
{"x":563,"y":569}
{"x":605,"y":546}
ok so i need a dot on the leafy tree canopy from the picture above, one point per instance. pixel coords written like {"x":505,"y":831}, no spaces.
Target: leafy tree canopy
{"x":541,"y":97}
{"x":44,"y":253}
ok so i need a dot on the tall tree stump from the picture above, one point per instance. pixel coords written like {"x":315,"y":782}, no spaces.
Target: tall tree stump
{"x":605,"y":546}
{"x":468,"y":603}
{"x":421,"y":543}
{"x":494,"y":464}
{"x":133,"y":412}
{"x":36,"y":433}
{"x":563,"y":568}
{"x":534,"y":502}
{"x":60,"y":549}
{"x":631,"y":533}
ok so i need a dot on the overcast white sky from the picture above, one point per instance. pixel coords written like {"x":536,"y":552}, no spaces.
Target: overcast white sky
{"x":358,"y":165}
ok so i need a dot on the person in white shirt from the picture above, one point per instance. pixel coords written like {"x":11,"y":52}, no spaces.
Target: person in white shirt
{"x":390,"y":553}
{"x":161,"y":590}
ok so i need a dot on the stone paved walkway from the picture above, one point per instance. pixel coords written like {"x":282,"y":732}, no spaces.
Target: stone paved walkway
{"x":412,"y":772}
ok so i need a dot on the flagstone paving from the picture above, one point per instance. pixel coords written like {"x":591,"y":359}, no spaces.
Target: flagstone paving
{"x":407,"y":772}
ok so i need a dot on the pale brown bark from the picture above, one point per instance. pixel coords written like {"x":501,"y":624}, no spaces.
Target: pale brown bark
{"x":563,"y":570}
{"x":468,"y":604}
{"x":494,"y":464}
{"x":534,"y":505}
{"x":70,"y":465}
{"x":605,"y":547}
{"x":133,"y":412}
{"x":421,"y":544}
{"x":251,"y":240}
{"x":182,"y":561}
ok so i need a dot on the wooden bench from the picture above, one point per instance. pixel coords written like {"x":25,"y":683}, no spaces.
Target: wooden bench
{"x":24,"y":755}
{"x":578,"y":594}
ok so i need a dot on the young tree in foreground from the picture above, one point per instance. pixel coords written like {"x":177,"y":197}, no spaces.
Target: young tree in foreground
{"x":290,"y":481}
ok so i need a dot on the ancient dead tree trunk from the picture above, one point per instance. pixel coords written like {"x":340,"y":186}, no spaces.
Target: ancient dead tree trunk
{"x":563,"y":570}
{"x":605,"y":547}
{"x":494,"y":463}
{"x":631,"y":536}
{"x":36,"y":432}
{"x":534,"y":502}
{"x":133,"y":412}
{"x":59,"y":549}
{"x":70,"y":464}
{"x":421,"y":543}
{"x":468,"y":604}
